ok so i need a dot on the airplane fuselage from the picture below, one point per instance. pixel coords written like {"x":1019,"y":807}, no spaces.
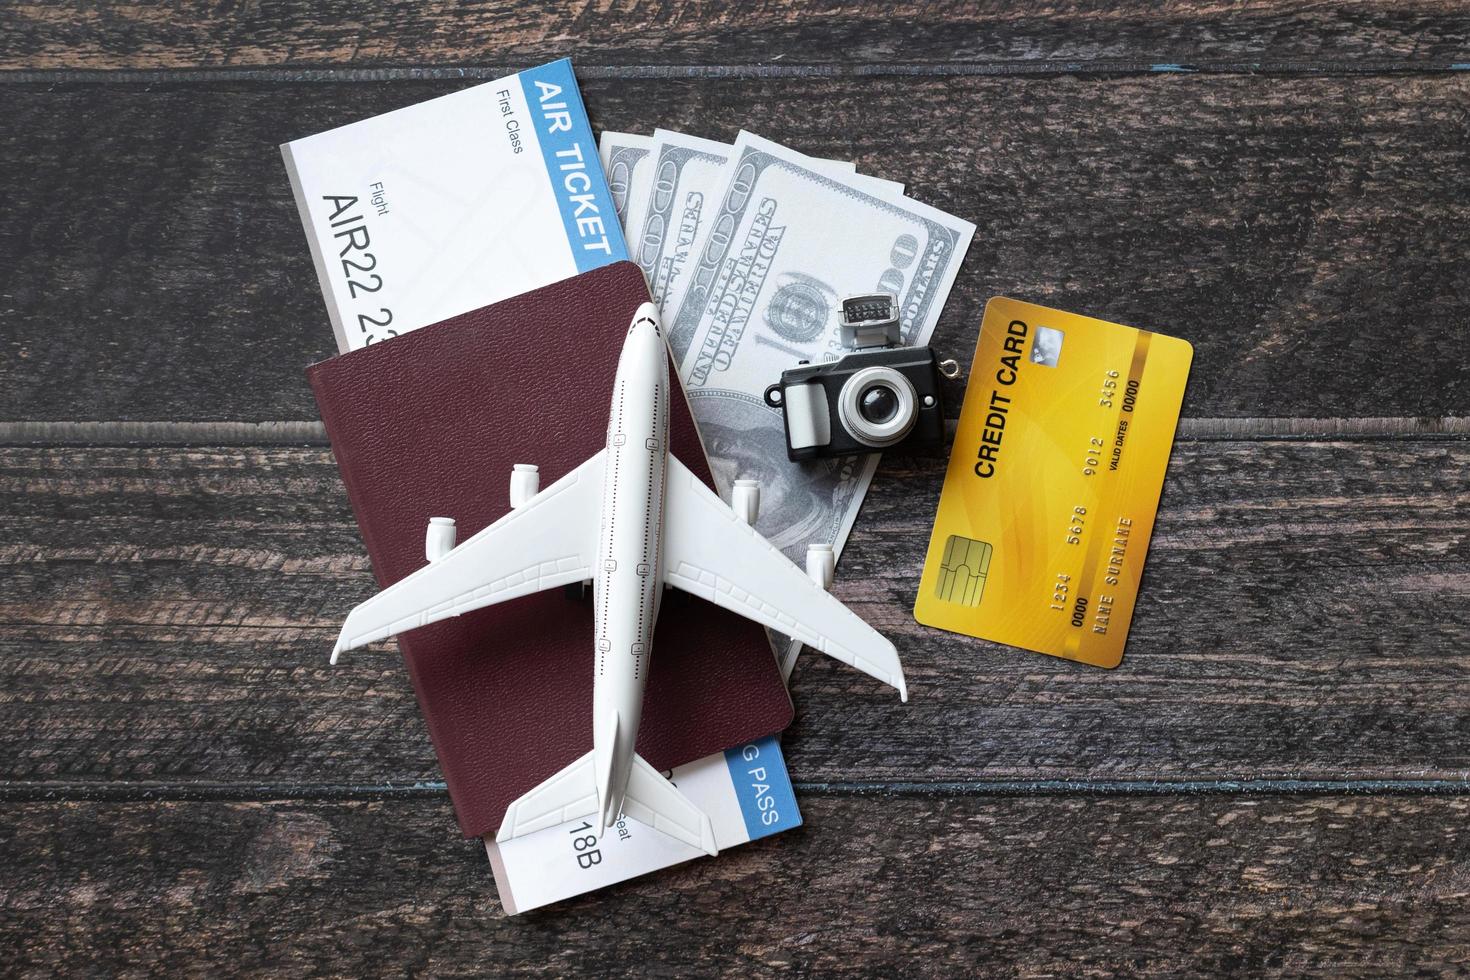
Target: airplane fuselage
{"x":630,"y":582}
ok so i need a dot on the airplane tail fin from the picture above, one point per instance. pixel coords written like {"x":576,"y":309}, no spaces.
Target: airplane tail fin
{"x":579,"y":789}
{"x":607,"y":806}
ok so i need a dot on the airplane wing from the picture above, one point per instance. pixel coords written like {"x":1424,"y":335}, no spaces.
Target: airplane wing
{"x":711,"y":553}
{"x":572,"y":793}
{"x":551,"y":540}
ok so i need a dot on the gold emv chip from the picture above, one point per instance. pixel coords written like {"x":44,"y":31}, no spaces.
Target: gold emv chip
{"x":962,"y":571}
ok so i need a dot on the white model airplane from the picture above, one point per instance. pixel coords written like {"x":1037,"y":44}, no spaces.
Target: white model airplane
{"x":632,"y":519}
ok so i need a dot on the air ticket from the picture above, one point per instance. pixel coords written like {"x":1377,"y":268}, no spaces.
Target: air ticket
{"x":443,"y":207}
{"x":1053,"y":482}
{"x":745,"y":791}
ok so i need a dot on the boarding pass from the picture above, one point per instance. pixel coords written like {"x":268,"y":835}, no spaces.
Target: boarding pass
{"x":745,"y":791}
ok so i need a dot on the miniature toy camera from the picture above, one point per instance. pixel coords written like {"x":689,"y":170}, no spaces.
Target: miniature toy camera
{"x":879,"y":397}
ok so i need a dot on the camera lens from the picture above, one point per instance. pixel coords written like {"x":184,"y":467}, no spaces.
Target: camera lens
{"x":878,"y":404}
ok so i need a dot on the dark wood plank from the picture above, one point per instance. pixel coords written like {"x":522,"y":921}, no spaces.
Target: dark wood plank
{"x":295,"y":34}
{"x":169,"y":612}
{"x":1040,"y":886}
{"x":1308,"y":235}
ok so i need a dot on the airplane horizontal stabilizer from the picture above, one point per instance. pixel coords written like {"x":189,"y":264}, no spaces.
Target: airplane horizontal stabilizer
{"x":655,"y":801}
{"x":572,"y":793}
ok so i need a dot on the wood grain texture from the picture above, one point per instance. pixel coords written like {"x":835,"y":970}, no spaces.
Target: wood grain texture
{"x":313,"y":433}
{"x":339,"y":32}
{"x":156,"y":269}
{"x":1327,"y":886}
{"x":1274,"y":780}
{"x":1303,"y":616}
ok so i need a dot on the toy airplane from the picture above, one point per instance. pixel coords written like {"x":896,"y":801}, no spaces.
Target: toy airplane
{"x":632,"y":519}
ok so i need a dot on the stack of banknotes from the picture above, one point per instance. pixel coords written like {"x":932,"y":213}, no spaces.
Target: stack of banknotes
{"x":749,"y":249}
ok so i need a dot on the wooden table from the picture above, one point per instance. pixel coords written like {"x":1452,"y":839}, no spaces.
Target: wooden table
{"x":1274,"y":780}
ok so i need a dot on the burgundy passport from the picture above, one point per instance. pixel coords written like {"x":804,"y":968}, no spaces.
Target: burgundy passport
{"x":429,"y":426}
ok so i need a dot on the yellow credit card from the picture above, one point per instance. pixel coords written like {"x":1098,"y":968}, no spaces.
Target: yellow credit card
{"x":1053,"y":482}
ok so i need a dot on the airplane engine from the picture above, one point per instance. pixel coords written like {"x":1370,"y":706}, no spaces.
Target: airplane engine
{"x":820,"y":564}
{"x":525,"y":483}
{"x":439,"y":538}
{"x":746,"y":501}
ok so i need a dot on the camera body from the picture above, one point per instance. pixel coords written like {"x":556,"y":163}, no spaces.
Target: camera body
{"x":867,"y":401}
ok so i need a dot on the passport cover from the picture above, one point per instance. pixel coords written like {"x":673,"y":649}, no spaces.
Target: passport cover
{"x":429,"y":425}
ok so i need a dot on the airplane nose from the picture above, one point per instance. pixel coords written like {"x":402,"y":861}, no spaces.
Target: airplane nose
{"x":646,"y":316}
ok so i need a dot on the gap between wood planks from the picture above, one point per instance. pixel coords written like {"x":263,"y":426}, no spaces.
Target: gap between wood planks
{"x":308,"y":433}
{"x":35,"y":792}
{"x":490,"y":72}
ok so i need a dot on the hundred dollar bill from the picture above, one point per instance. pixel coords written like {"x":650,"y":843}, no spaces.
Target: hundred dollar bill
{"x":688,"y":178}
{"x":785,"y":244}
{"x":878,"y":186}
{"x":627,"y":161}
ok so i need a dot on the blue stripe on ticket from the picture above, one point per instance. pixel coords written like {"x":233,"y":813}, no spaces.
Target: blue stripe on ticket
{"x":758,"y":773}
{"x":572,"y":163}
